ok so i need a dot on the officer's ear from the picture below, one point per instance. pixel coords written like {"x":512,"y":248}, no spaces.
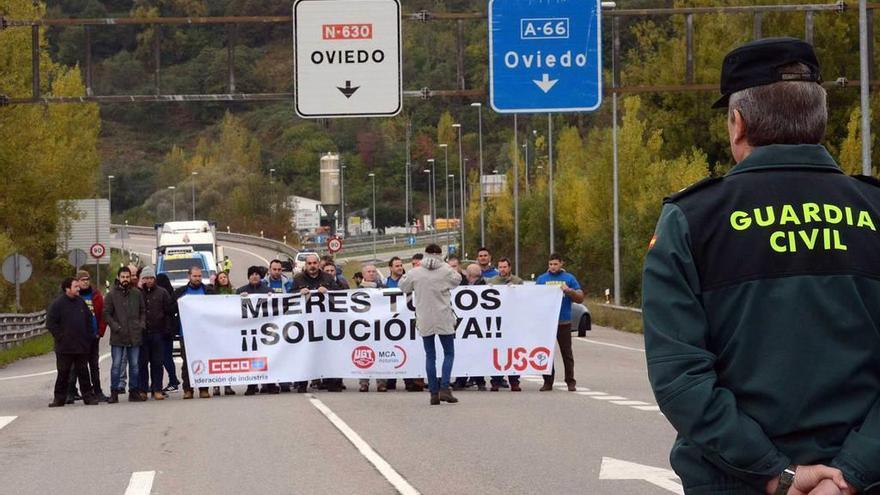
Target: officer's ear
{"x":736,"y":126}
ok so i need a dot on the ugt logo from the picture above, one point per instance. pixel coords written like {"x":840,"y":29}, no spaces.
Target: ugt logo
{"x":520,"y":358}
{"x":363,"y":357}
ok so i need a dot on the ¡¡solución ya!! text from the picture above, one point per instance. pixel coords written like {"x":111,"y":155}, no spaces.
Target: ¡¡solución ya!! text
{"x":810,"y":238}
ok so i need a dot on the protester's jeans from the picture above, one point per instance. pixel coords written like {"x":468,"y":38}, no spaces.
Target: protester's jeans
{"x":132,"y":354}
{"x":448,"y":343}
{"x":170,"y":368}
{"x":152,"y":354}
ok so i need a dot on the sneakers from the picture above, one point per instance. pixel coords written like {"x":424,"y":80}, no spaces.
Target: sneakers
{"x":435,"y":400}
{"x":445,"y":395}
{"x":171,"y":389}
{"x":204,"y":394}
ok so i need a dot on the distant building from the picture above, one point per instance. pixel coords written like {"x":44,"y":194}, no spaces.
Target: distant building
{"x":494,"y":185}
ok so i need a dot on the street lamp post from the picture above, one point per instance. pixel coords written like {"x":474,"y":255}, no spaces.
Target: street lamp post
{"x":462,"y":178}
{"x":433,"y":199}
{"x":373,"y":177}
{"x":482,"y":200}
{"x":173,"y":206}
{"x":110,"y":194}
{"x":342,"y":200}
{"x":194,"y":174}
{"x":427,"y":172}
{"x":452,"y":178}
{"x":526,"y":148}
{"x":550,"y":179}
{"x":271,"y":176}
{"x":446,"y":187}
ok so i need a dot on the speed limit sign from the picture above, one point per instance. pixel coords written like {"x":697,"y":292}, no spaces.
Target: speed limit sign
{"x":97,"y":250}
{"x":334,"y":245}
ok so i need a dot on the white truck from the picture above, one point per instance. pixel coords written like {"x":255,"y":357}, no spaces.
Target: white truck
{"x":182,"y":245}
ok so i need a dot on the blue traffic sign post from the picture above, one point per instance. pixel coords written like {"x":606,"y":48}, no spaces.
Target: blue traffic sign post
{"x":545,"y":56}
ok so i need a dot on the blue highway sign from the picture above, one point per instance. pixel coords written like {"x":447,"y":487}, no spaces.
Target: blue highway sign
{"x":545,"y":55}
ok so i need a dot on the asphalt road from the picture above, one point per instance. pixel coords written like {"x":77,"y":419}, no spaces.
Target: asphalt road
{"x":531,"y":442}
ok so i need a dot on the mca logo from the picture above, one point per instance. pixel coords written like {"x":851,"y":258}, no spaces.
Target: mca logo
{"x":521,"y":358}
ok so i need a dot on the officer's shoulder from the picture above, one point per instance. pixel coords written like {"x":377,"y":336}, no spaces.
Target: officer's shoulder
{"x":867,"y":179}
{"x":694,"y":188}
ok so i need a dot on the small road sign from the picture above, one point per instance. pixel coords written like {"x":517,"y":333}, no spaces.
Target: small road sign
{"x":347,"y":58}
{"x":17,"y":269}
{"x":97,"y":250}
{"x":545,"y":56}
{"x":77,"y":257}
{"x":334,"y":245}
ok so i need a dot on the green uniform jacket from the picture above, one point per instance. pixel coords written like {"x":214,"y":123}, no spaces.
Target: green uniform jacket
{"x":762,"y":322}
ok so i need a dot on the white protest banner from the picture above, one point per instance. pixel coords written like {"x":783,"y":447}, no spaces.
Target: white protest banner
{"x":365,"y":333}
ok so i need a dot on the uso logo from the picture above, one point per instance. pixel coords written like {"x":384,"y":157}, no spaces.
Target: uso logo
{"x":363,"y":357}
{"x":520,"y":358}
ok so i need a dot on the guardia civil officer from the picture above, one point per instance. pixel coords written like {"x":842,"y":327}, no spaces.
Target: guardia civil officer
{"x":761,"y":293}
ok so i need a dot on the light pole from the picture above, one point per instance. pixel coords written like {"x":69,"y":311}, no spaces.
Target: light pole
{"x":462,"y":178}
{"x":482,"y":200}
{"x":427,"y":172}
{"x":342,"y":200}
{"x":194,"y":174}
{"x":271,"y":176}
{"x":526,"y":148}
{"x":373,"y":177}
{"x":550,"y":172}
{"x":516,"y":194}
{"x":452,"y":178}
{"x":433,"y":202}
{"x":173,"y":207}
{"x":110,"y":194}
{"x":446,"y":186}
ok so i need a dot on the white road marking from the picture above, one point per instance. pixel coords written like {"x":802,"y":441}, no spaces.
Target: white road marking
{"x":44,"y":373}
{"x":608,"y":397}
{"x":647,"y":408}
{"x":629,"y":403}
{"x":397,"y":481}
{"x":141,"y":483}
{"x":590,"y":394}
{"x":5,"y":420}
{"x":248,"y":253}
{"x":615,"y":469}
{"x":618,"y":346}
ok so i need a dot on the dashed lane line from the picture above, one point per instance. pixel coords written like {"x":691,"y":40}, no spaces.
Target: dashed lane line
{"x":44,"y":373}
{"x":141,"y":483}
{"x":397,"y":481}
{"x":608,"y":344}
{"x":603,"y":396}
{"x":5,"y":420}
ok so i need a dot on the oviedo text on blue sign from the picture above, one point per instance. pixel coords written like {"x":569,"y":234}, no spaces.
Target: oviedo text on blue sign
{"x":545,"y":55}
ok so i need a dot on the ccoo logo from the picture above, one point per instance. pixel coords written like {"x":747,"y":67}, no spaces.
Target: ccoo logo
{"x":363,"y":357}
{"x":520,"y":358}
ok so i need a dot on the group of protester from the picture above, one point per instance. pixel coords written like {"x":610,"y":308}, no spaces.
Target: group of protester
{"x":141,"y":310}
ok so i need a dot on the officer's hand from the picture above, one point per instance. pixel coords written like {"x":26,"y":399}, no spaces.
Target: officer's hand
{"x":808,"y":478}
{"x":244,"y":294}
{"x":304,"y":291}
{"x":826,"y":487}
{"x":322,"y":289}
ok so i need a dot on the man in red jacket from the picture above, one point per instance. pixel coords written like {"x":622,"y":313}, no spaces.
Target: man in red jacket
{"x":95,"y":301}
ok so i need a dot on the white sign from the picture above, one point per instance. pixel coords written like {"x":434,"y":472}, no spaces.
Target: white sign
{"x":97,"y":250}
{"x":347,"y":58}
{"x":365,"y":333}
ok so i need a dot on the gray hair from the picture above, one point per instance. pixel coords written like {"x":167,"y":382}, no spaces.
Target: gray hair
{"x":785,"y":112}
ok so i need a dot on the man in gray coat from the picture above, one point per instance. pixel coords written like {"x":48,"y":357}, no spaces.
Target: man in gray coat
{"x":432,"y":282}
{"x":125,"y":314}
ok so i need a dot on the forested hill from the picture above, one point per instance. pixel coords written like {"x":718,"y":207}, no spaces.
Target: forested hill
{"x":667,"y":140}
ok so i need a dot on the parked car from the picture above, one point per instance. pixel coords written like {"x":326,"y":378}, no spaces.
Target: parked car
{"x":581,"y":319}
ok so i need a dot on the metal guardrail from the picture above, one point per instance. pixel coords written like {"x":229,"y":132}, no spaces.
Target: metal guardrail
{"x":15,"y":328}
{"x":622,"y":308}
{"x":221,"y":237}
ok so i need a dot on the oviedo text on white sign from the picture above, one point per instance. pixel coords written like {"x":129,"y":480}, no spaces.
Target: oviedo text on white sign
{"x":363,"y":333}
{"x":347,"y":58}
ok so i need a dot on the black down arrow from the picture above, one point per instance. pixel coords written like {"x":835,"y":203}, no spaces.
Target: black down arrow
{"x":348,"y":90}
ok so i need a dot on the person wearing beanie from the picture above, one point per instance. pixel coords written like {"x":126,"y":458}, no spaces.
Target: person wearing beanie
{"x":256,"y":285}
{"x":159,"y":310}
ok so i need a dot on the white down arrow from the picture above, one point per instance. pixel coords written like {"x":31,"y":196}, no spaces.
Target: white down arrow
{"x":546,"y":84}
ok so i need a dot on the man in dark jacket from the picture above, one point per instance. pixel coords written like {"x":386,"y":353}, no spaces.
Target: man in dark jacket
{"x":309,"y":279}
{"x":124,"y":314}
{"x":73,"y":327}
{"x":159,"y":310}
{"x":256,"y":285}
{"x":194,"y":287}
{"x":760,"y":298}
{"x":95,"y":301}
